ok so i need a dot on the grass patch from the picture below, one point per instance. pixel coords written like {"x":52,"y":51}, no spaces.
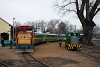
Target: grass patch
{"x":97,"y":47}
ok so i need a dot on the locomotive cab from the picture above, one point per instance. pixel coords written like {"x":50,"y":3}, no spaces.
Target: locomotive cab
{"x":24,"y":39}
{"x":72,"y":41}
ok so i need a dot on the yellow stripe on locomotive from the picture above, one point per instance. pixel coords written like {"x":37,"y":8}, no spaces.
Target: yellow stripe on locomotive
{"x":73,"y":46}
{"x":24,"y":39}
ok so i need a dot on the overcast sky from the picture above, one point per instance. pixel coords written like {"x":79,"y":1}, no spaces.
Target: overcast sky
{"x":32,"y":10}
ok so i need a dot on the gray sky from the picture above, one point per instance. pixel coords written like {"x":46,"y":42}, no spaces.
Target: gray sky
{"x":32,"y":10}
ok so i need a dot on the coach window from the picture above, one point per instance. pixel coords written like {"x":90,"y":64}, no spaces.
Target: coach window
{"x":29,"y":30}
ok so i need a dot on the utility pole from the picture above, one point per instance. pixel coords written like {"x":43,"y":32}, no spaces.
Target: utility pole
{"x":13,"y":34}
{"x":13,"y":28}
{"x":75,"y":28}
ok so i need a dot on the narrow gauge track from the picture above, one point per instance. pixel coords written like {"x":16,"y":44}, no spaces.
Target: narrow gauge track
{"x":4,"y":64}
{"x":89,"y":56}
{"x":87,"y":53}
{"x":34,"y":62}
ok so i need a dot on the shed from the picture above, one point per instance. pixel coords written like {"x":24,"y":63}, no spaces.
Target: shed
{"x":5,"y":30}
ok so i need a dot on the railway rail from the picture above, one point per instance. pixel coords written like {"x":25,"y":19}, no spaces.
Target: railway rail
{"x":4,"y":64}
{"x":87,"y":53}
{"x":89,"y":56}
{"x":32,"y":61}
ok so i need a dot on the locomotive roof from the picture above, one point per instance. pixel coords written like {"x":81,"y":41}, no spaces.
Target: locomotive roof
{"x":72,"y":32}
{"x":24,"y":26}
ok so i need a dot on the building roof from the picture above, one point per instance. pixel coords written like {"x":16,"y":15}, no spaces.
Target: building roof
{"x":5,"y":21}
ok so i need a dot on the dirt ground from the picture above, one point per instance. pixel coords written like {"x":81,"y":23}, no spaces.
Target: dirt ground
{"x":51,"y":54}
{"x":57,"y":56}
{"x":11,"y":58}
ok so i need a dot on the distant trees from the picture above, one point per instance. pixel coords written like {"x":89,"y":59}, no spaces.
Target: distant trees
{"x":62,"y":28}
{"x":16,"y":23}
{"x":42,"y":25}
{"x":39,"y":25}
{"x":67,"y":27}
{"x":96,"y":30}
{"x":52,"y":26}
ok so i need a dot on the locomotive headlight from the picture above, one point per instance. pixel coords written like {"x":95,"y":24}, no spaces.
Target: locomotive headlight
{"x":20,"y":36}
{"x":27,"y":36}
{"x":24,"y":36}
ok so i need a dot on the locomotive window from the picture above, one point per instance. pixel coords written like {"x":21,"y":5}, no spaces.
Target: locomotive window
{"x":20,"y":31}
{"x":76,"y":34}
{"x":71,"y":34}
{"x":29,"y":30}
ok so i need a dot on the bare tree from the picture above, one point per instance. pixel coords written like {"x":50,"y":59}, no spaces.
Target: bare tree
{"x":52,"y":24}
{"x":31,"y":23}
{"x":39,"y":25}
{"x":86,"y":10}
{"x":62,"y":28}
{"x":71,"y":28}
{"x":67,"y":24}
{"x":42,"y":24}
{"x":96,"y":30}
{"x":16,"y":24}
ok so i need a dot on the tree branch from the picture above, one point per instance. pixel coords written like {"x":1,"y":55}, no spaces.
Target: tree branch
{"x":92,"y":12}
{"x":71,"y":10}
{"x":97,"y":11}
{"x":87,"y":9}
{"x":65,"y":5}
{"x":82,"y":6}
{"x":77,"y":7}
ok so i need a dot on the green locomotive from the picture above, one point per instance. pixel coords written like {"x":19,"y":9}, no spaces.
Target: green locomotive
{"x":72,"y":40}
